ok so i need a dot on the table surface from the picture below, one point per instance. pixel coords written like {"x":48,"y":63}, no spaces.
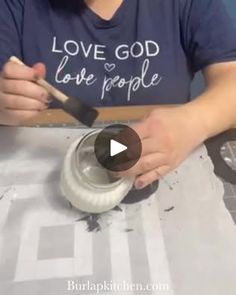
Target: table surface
{"x":127,"y":115}
{"x":229,"y":152}
{"x":230,"y":190}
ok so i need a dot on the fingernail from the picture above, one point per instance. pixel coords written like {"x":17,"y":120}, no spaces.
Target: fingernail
{"x":36,"y":76}
{"x":139,"y":185}
{"x":49,"y":98}
{"x":45,"y":106}
{"x":46,"y":98}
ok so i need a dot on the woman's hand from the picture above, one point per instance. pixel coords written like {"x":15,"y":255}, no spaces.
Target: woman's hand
{"x":168,"y":135}
{"x":20,"y":97}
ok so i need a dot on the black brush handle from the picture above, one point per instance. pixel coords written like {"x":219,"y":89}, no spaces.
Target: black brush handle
{"x":214,"y":145}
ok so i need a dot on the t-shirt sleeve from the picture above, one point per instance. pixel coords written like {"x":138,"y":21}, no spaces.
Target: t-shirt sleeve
{"x":11,"y":18}
{"x":208,"y":33}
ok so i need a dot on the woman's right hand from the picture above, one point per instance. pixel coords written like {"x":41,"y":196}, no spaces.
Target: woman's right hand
{"x":20,"y":97}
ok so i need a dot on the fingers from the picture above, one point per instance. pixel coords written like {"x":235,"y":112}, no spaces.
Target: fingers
{"x":16,"y":117}
{"x":151,"y":176}
{"x":24,"y":88}
{"x":40,"y":70}
{"x":17,"y":102}
{"x":20,"y":97}
{"x":12,"y":70}
{"x":17,"y":79}
{"x":146,"y":164}
{"x":141,"y":129}
{"x":149,"y":146}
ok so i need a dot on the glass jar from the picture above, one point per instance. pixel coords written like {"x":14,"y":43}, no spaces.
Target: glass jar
{"x":85,"y":183}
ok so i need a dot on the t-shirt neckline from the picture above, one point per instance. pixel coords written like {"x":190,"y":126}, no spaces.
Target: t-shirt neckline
{"x":116,"y":19}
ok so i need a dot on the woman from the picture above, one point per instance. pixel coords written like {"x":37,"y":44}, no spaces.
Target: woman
{"x":125,"y":52}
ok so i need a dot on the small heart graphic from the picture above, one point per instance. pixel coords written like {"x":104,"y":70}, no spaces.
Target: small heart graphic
{"x":109,"y":67}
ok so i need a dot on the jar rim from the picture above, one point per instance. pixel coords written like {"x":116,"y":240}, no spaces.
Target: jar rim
{"x":88,"y":180}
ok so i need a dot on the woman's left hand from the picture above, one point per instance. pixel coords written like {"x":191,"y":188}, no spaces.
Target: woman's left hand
{"x":168,"y":136}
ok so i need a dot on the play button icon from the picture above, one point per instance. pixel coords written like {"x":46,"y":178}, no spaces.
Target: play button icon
{"x":118,"y":147}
